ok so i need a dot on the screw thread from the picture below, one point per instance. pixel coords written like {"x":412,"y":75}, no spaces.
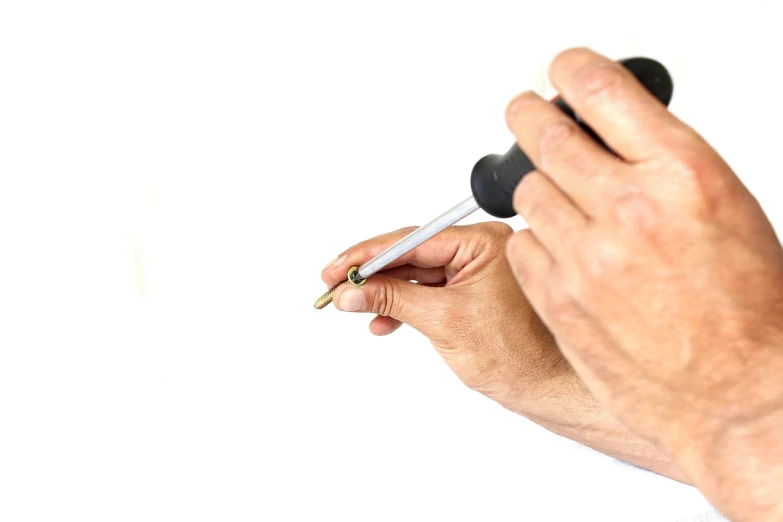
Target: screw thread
{"x":328,"y":296}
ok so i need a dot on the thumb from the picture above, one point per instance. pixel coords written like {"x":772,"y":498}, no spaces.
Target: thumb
{"x":410,"y":303}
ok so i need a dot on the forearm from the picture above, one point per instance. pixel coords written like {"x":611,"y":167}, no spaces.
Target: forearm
{"x":736,"y":463}
{"x":599,"y":431}
{"x":568,"y":409}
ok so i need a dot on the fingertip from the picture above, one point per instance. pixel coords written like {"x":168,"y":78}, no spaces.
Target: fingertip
{"x":329,"y":264}
{"x":512,"y":108}
{"x":328,"y":279}
{"x":515,"y":106}
{"x":381,"y":326}
{"x":564,"y":61}
{"x":336,"y":271}
{"x":349,"y":298}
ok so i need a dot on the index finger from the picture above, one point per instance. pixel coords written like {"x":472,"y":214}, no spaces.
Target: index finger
{"x":453,"y":246}
{"x":614,"y":103}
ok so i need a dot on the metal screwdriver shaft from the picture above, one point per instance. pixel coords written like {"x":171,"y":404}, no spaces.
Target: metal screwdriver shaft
{"x":417,"y":237}
{"x":404,"y":245}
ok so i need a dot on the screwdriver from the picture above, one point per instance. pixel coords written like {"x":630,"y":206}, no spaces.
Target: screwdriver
{"x":495,"y":177}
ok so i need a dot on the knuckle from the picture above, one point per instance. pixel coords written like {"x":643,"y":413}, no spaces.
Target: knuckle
{"x":694,"y":169}
{"x":577,"y":286}
{"x":600,"y":259}
{"x":496,"y":231}
{"x":404,"y":231}
{"x":554,"y":137}
{"x":702,"y":184}
{"x":704,"y":190}
{"x":598,"y":81}
{"x":636,"y":214}
{"x":568,"y":236}
{"x":383,"y":300}
{"x":559,"y":303}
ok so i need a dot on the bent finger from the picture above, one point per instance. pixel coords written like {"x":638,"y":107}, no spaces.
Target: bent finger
{"x":381,"y":325}
{"x":455,"y":243}
{"x":616,"y":105}
{"x":552,"y":216}
{"x":558,"y":147}
{"x":530,"y":262}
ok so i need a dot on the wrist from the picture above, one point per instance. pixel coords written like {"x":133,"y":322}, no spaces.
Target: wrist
{"x":736,"y":462}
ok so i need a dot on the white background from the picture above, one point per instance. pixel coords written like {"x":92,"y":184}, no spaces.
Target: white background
{"x":173,"y":177}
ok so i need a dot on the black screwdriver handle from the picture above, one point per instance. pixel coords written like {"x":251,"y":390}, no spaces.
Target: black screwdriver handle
{"x":495,"y":176}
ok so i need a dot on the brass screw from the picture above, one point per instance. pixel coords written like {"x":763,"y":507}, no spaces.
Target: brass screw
{"x":328,"y":296}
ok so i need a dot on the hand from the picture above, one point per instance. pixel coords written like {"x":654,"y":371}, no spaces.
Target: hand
{"x":659,"y":276}
{"x":467,"y":303}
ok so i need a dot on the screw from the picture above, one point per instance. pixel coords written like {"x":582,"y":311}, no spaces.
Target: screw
{"x":328,"y":296}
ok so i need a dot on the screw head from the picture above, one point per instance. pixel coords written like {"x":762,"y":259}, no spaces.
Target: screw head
{"x":353,"y":276}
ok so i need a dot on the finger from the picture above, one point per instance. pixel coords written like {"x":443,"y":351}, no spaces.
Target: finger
{"x":566,"y":153}
{"x":413,"y":304}
{"x":552,"y":216}
{"x":540,"y":279}
{"x":614,"y":104}
{"x":530,"y":263}
{"x":454,"y":246}
{"x":417,"y":273}
{"x":381,"y":325}
{"x":434,"y":277}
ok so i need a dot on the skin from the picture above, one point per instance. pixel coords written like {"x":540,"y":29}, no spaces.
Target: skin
{"x":660,"y":278}
{"x":652,"y":269}
{"x":468,"y":304}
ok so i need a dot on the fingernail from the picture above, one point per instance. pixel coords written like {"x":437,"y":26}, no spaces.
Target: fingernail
{"x":328,"y":265}
{"x":339,"y":262}
{"x":349,"y":300}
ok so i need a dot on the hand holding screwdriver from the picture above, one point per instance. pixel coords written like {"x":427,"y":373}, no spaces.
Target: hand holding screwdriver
{"x":659,"y":276}
{"x":493,"y":180}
